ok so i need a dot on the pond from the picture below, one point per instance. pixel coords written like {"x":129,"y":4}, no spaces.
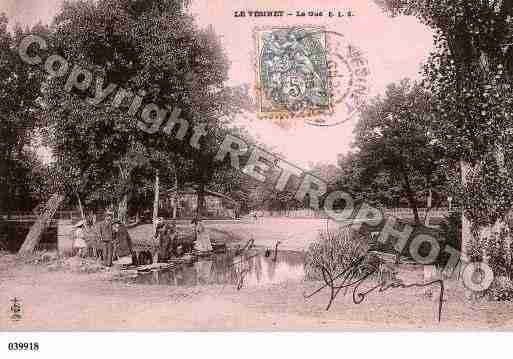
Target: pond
{"x":253,"y":268}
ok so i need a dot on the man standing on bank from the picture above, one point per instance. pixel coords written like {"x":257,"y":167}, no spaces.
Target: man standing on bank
{"x":122,"y":242}
{"x":105,"y":232}
{"x":165,"y":237}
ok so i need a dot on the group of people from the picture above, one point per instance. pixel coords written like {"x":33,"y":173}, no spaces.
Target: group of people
{"x":170,"y":244}
{"x":110,"y":239}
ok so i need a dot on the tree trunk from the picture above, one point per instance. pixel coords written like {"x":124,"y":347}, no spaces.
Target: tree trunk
{"x":411,"y":199}
{"x":175,"y":206}
{"x":200,"y":210}
{"x":156,"y":211}
{"x":430,"y":271}
{"x":37,"y":229}
{"x":466,"y":233}
{"x":428,"y":209}
{"x":466,"y":228}
{"x":123,"y":209}
{"x":124,"y":173}
{"x":156,"y":202}
{"x":7,"y":202}
{"x":82,"y":215}
{"x":175,"y":201}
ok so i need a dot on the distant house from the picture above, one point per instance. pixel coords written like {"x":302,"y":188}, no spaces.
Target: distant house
{"x":217,"y":205}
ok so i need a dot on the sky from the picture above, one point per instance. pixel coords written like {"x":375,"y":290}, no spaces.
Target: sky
{"x":395,"y":48}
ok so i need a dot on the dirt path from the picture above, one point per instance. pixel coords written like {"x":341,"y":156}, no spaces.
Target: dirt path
{"x":72,"y":301}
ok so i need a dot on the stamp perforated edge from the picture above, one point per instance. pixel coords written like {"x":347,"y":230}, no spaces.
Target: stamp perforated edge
{"x":285,"y":114}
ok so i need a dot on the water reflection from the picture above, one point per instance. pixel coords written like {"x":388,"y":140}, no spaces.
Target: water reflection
{"x":251,"y":269}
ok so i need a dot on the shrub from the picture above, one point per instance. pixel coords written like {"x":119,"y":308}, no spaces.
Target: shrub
{"x":499,"y":258}
{"x":335,"y":251}
{"x":475,"y":249}
{"x":450,"y":231}
{"x":501,"y":289}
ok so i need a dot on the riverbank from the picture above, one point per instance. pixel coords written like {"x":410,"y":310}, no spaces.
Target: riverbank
{"x":64,"y":300}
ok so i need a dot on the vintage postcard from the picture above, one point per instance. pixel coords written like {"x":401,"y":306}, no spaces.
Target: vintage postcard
{"x":253,"y":165}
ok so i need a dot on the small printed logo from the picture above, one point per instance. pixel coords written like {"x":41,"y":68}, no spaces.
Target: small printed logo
{"x":16,"y":309}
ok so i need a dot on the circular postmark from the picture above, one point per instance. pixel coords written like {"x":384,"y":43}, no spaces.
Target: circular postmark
{"x":311,"y":73}
{"x":348,"y":74}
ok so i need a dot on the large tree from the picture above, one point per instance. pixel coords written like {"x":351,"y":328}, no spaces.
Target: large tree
{"x":470,"y":75}
{"x":395,"y":147}
{"x":20,"y":168}
{"x":152,"y":48}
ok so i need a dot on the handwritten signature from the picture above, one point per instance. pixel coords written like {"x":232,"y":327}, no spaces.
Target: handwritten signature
{"x":356,"y":274}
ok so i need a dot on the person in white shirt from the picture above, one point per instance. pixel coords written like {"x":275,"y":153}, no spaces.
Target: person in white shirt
{"x":202,"y":243}
{"x":79,"y":243}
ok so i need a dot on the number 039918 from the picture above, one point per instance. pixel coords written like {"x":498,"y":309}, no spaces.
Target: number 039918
{"x":18,"y":346}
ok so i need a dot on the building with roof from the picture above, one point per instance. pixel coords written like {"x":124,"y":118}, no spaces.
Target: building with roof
{"x":217,"y":205}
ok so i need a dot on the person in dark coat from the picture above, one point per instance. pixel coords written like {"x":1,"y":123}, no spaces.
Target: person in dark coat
{"x":105,"y":233}
{"x":123,"y":242}
{"x":165,"y":235}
